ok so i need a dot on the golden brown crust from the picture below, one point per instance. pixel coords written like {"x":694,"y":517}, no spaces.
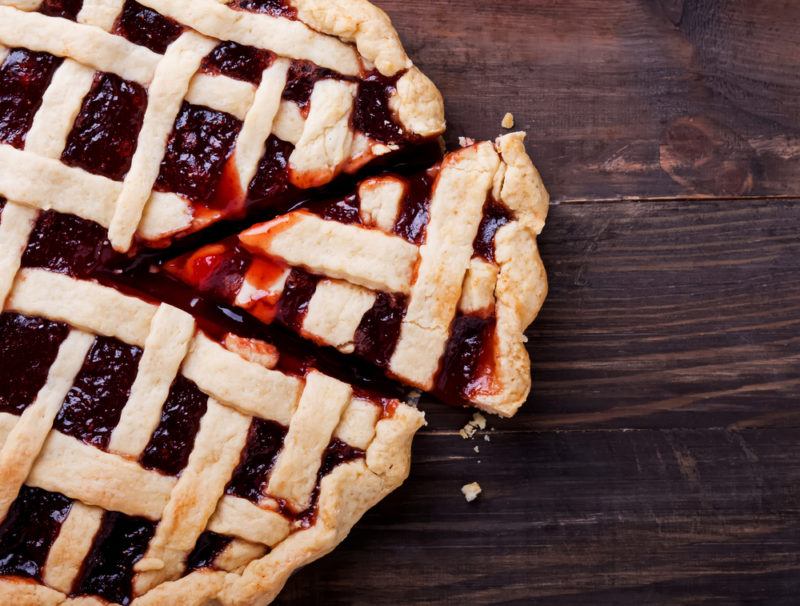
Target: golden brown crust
{"x":522,"y":281}
{"x":417,"y":103}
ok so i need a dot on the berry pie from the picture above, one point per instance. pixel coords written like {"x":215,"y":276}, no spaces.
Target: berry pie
{"x":163,"y":438}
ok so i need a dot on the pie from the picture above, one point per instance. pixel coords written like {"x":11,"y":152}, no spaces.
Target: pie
{"x":432,"y":276}
{"x":156,"y":448}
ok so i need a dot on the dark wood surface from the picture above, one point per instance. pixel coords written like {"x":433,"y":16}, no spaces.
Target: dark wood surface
{"x":658,"y":459}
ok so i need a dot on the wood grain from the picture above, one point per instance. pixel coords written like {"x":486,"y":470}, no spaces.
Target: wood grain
{"x":658,"y":459}
{"x":624,"y":99}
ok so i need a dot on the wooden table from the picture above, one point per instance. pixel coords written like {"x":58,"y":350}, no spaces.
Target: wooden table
{"x":658,"y":459}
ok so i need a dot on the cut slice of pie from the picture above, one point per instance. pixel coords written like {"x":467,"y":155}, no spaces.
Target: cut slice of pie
{"x":145,"y":460}
{"x":432,"y":276}
{"x":156,"y":118}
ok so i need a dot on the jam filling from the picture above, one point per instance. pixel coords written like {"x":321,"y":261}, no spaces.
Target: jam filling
{"x":466,"y":364}
{"x":495,"y":215}
{"x":372,"y":114}
{"x":28,"y":348}
{"x":24,"y":76}
{"x":67,"y":244}
{"x":271,"y":180}
{"x":93,"y":405}
{"x":173,"y":440}
{"x":198,"y":149}
{"x":344,"y":210}
{"x":106,"y":130}
{"x":276,"y":8}
{"x":297,"y":293}
{"x":414,"y":214}
{"x":67,"y":9}
{"x":264,"y":441}
{"x":29,"y":530}
{"x":208,"y":547}
{"x":146,"y":27}
{"x":107,"y":571}
{"x":379,"y":329}
{"x":300,"y":81}
{"x":216,"y":269}
{"x":237,"y":61}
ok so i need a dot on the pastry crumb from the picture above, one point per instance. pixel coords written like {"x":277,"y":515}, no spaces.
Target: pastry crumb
{"x":476,"y":449}
{"x":486,"y":438}
{"x":471,"y":491}
{"x":508,"y":120}
{"x":467,"y":431}
{"x":466,"y":141}
{"x":478,"y":422}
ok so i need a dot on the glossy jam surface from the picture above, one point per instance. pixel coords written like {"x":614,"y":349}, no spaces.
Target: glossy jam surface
{"x":461,"y":369}
{"x":29,"y":530}
{"x":106,"y":130}
{"x":209,"y":545}
{"x":414,"y":210}
{"x":66,"y":9}
{"x":297,"y":293}
{"x":379,"y":329}
{"x":264,"y":441}
{"x":238,"y":61}
{"x":146,"y":27}
{"x":272,"y":177}
{"x":107,"y":570}
{"x":276,"y":8}
{"x":24,"y":76}
{"x":28,"y":347}
{"x":67,"y":245}
{"x":200,"y":145}
{"x":344,"y":210}
{"x":216,"y":269}
{"x":372,"y":114}
{"x":300,"y":81}
{"x":173,"y":439}
{"x":495,"y":215}
{"x":93,"y":405}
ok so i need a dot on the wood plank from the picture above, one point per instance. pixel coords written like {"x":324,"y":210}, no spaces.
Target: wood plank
{"x":632,"y":98}
{"x":572,"y":517}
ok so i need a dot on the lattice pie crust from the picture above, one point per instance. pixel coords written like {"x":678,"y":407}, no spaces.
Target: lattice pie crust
{"x":294,"y":518}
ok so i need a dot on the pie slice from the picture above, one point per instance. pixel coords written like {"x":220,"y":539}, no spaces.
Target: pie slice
{"x":432,"y":276}
{"x":156,"y":118}
{"x":148,"y":457}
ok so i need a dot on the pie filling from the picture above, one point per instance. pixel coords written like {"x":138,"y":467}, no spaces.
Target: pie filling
{"x":173,"y":439}
{"x":28,"y":348}
{"x":92,"y":408}
{"x":24,"y":76}
{"x":29,"y":531}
